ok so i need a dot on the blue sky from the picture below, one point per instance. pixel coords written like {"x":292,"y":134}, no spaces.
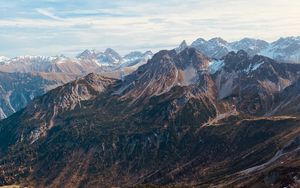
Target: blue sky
{"x":51,"y":27}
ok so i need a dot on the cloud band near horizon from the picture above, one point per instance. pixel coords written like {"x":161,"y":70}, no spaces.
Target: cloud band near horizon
{"x":50,"y":27}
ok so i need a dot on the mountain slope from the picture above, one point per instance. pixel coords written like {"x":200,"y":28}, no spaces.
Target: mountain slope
{"x":215,"y":47}
{"x":284,"y":49}
{"x":164,"y":124}
{"x":15,"y":93}
{"x":287,"y":102}
{"x":252,"y":82}
{"x":17,"y":89}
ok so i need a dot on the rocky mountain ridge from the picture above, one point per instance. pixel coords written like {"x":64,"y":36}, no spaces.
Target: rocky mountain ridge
{"x":62,"y":69}
{"x":182,"y":119}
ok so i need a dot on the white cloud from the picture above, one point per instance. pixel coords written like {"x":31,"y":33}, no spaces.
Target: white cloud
{"x":131,"y":25}
{"x":48,"y":13}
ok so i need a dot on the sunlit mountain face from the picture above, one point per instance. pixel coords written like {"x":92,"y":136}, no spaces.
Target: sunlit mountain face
{"x":126,"y":104}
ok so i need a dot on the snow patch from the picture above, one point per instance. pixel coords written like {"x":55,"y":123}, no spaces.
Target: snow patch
{"x":253,"y":67}
{"x":215,"y":65}
{"x":256,"y":66}
{"x":4,"y":59}
{"x":2,"y":114}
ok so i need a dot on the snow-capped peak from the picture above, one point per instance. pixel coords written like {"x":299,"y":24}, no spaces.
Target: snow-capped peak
{"x":218,"y":41}
{"x":284,"y":49}
{"x":4,"y":59}
{"x":86,"y":54}
{"x":136,"y":59}
{"x":199,"y":41}
{"x":215,"y":65}
{"x":112,"y":52}
{"x":28,"y":59}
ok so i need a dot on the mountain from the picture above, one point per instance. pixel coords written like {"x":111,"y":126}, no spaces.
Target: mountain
{"x":18,"y":89}
{"x":114,"y":60}
{"x":183,"y":45}
{"x":59,"y":64}
{"x":15,"y":92}
{"x":283,"y":50}
{"x":107,"y":58}
{"x":86,"y":62}
{"x":215,"y":47}
{"x":251,"y":46}
{"x":252,"y":81}
{"x":136,"y":59}
{"x":287,"y":102}
{"x":111,"y":64}
{"x":181,"y":119}
{"x":3,"y":59}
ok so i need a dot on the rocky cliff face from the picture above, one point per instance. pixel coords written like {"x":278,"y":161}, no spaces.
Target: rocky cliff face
{"x":253,"y":82}
{"x":181,"y":119}
{"x":287,"y":102}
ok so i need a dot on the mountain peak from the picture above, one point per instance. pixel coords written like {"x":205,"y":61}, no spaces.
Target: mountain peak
{"x":199,"y":41}
{"x":86,"y":54}
{"x":113,"y":55}
{"x":65,"y":98}
{"x":242,"y":53}
{"x":183,"y":45}
{"x":4,"y":59}
{"x":111,"y":51}
{"x":133,"y":54}
{"x":218,"y":40}
{"x":250,"y":41}
{"x":167,"y":69}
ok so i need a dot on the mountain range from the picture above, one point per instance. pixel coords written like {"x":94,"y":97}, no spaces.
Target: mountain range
{"x":283,"y":50}
{"x":24,"y":77}
{"x":110,"y":63}
{"x":18,"y":89}
{"x":86,"y":62}
{"x":188,"y":117}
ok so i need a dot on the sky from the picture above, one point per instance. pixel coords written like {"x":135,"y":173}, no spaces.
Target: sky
{"x":54,"y":27}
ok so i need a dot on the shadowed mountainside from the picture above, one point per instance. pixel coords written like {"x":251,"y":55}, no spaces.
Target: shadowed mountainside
{"x":181,"y":119}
